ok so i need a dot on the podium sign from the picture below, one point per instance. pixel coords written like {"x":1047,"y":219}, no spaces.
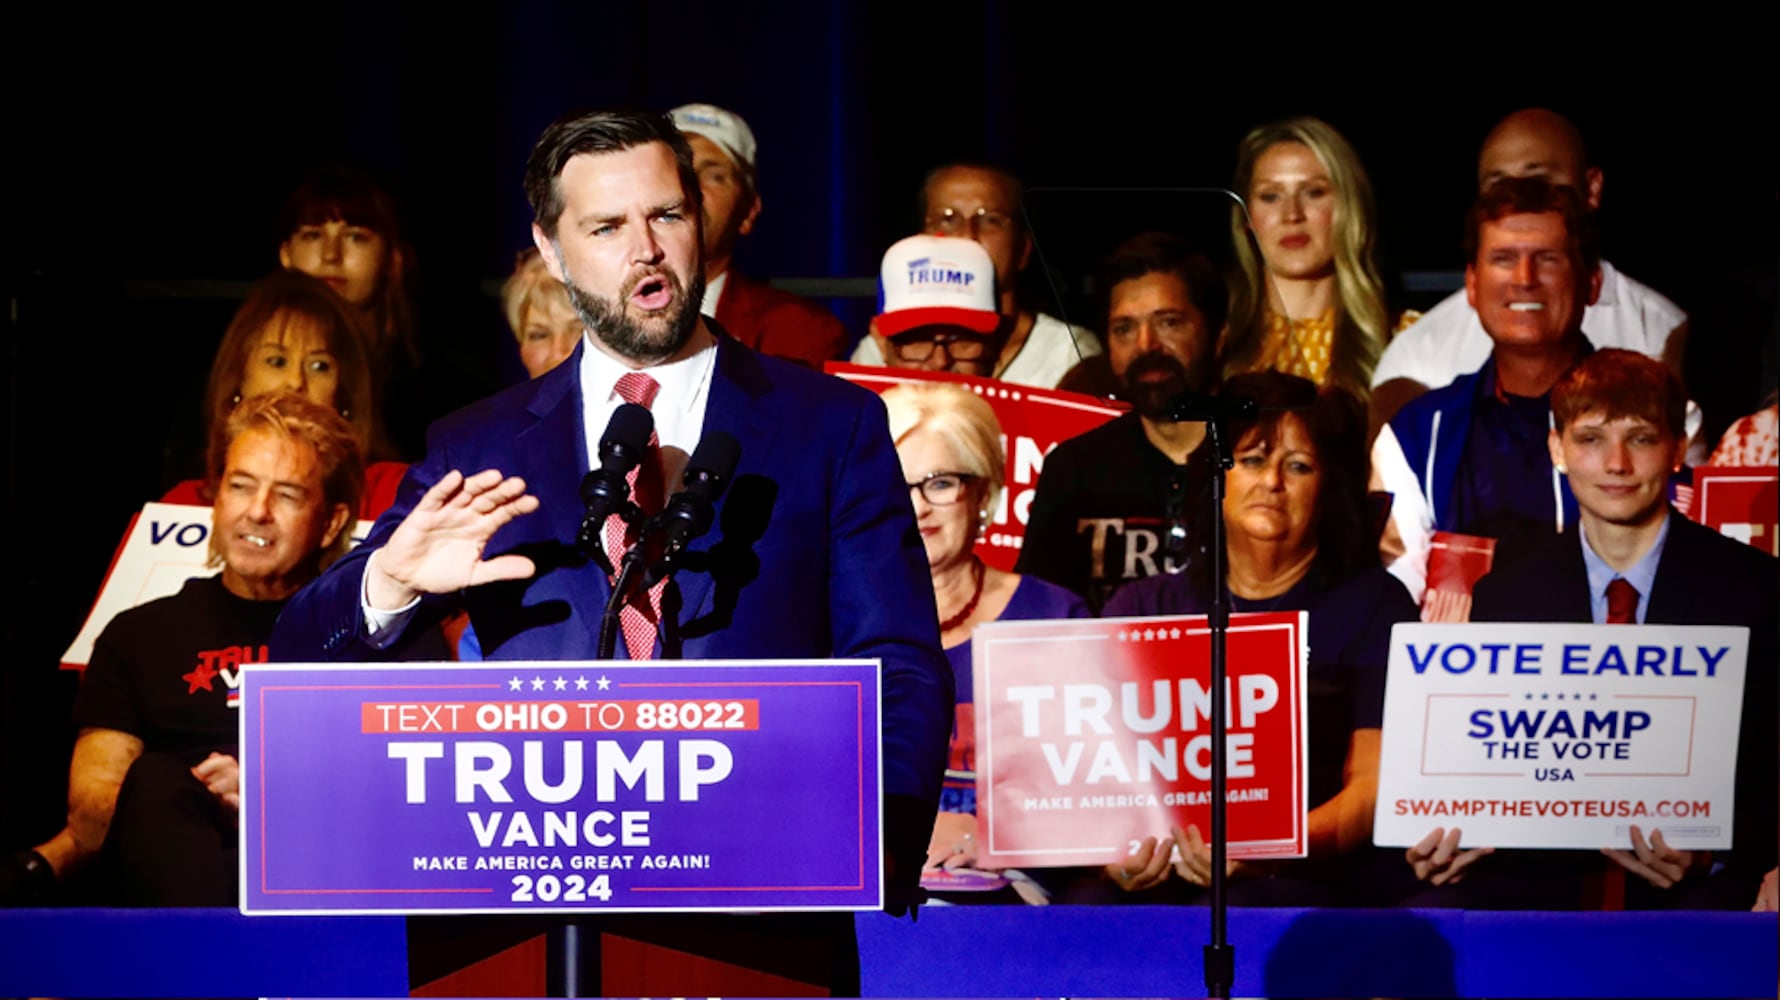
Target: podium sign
{"x":561,"y":786}
{"x":1094,"y":734}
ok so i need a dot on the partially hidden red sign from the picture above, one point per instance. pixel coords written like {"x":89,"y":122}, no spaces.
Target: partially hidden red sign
{"x":1455,"y":563}
{"x":1094,"y":734}
{"x":1739,"y":503}
{"x":1032,"y":420}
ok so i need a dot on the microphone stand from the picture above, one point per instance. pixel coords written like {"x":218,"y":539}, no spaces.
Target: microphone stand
{"x":1216,"y":412}
{"x":1220,"y":958}
{"x":621,"y":585}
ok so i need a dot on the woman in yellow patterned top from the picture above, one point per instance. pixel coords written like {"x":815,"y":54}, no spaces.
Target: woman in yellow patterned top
{"x":1310,"y":213}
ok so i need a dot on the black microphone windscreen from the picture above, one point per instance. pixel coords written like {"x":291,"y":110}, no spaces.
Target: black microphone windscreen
{"x":630,"y":426}
{"x":717,"y":454}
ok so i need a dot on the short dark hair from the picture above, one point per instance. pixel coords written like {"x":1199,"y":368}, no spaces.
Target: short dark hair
{"x":1536,"y":196}
{"x":1336,"y":422}
{"x":1618,"y":383}
{"x":1166,"y":253}
{"x":599,"y":132}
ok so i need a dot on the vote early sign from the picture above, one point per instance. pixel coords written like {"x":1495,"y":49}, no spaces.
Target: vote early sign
{"x":1561,"y":736}
{"x":1094,"y":734}
{"x":431,"y":788}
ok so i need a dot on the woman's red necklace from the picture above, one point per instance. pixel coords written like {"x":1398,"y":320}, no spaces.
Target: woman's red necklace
{"x":971,"y":605}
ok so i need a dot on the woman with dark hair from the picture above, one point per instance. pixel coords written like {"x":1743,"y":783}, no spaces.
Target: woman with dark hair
{"x":293,"y":334}
{"x":1309,"y":211}
{"x":341,"y":227}
{"x":1299,"y":537}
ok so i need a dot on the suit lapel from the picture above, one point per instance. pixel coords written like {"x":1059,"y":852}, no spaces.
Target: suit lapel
{"x":1568,"y":592}
{"x":1672,"y":604}
{"x":553,"y":456}
{"x":739,"y":386}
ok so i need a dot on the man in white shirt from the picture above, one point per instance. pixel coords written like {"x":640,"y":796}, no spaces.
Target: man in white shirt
{"x":1449,"y":341}
{"x":983,"y":204}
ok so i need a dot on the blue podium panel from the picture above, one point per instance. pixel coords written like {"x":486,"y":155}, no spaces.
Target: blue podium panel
{"x":1156,"y":951}
{"x":196,"y":953}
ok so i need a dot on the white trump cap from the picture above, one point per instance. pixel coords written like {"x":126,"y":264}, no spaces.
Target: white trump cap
{"x":936,"y":280}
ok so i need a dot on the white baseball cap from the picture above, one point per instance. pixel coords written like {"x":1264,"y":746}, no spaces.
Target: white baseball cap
{"x":936,"y":280}
{"x":725,"y":128}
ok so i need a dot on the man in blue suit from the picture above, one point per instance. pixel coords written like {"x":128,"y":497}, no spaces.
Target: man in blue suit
{"x":813,"y":552}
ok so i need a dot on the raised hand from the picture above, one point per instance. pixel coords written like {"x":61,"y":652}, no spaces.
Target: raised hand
{"x":437,"y":549}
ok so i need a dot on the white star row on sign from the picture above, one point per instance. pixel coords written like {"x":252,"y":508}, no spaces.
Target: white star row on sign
{"x":1149,"y":635}
{"x":559,"y":683}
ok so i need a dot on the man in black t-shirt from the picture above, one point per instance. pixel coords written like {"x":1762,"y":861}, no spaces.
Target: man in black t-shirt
{"x":1111,"y":504}
{"x":154,"y":781}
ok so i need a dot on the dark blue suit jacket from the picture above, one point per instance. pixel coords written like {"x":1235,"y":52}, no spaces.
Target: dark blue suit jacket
{"x":813,"y":552}
{"x":1702,"y":578}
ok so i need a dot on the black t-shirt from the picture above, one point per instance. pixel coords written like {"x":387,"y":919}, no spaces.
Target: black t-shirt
{"x":1110,"y":508}
{"x":168,"y":672}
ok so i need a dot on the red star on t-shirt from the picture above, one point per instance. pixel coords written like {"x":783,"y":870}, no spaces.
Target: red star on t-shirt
{"x":200,"y":677}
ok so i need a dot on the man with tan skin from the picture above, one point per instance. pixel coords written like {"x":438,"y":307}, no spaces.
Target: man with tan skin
{"x":1449,"y":340}
{"x":155,"y":779}
{"x":1111,"y":504}
{"x":770,"y":320}
{"x":1470,"y":457}
{"x":983,"y":204}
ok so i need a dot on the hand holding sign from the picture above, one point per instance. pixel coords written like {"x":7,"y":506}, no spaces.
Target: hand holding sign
{"x":1437,"y":859}
{"x":1655,"y":861}
{"x":437,"y":549}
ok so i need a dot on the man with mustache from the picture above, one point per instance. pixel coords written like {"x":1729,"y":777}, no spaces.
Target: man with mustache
{"x":812,"y":552}
{"x":1111,"y":504}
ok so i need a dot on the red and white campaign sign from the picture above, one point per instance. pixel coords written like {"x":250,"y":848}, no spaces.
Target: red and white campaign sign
{"x":165,"y":545}
{"x":1094,"y":734}
{"x":1032,"y":420}
{"x":1739,"y":503}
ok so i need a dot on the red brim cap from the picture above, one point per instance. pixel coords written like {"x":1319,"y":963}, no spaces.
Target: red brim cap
{"x":903,"y":320}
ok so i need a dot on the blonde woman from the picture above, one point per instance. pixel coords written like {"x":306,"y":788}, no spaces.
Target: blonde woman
{"x":1310,"y":216}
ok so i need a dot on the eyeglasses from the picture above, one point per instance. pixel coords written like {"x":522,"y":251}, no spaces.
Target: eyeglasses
{"x":951,"y":222}
{"x":960,"y":345}
{"x":942,"y":489}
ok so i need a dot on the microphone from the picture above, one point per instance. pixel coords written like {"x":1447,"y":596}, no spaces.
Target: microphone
{"x":689,"y":512}
{"x":606,"y":490}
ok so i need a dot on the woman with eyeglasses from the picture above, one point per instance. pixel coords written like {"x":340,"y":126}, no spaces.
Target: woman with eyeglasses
{"x":949,"y":443}
{"x":1299,"y":536}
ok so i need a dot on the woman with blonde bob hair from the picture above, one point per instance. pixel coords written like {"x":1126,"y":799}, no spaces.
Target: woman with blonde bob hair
{"x":949,"y":443}
{"x":540,"y":314}
{"x":1310,"y":213}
